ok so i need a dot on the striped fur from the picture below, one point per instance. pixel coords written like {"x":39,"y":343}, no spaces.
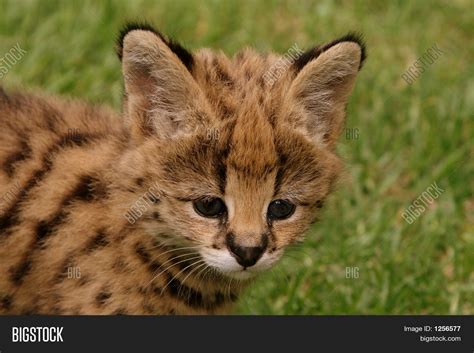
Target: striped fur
{"x":194,"y":125}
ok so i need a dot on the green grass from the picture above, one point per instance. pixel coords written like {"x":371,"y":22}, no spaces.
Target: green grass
{"x":409,"y":135}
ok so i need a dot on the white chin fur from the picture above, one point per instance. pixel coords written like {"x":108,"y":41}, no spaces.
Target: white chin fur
{"x":225,"y":263}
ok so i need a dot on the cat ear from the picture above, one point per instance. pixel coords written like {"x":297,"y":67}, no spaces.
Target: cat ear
{"x":318,"y":95}
{"x":161,"y":96}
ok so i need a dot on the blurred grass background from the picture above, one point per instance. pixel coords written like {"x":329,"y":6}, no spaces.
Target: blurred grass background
{"x":409,"y":136}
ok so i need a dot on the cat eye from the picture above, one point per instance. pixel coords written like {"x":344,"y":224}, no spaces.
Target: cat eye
{"x":209,"y":207}
{"x":280,"y":209}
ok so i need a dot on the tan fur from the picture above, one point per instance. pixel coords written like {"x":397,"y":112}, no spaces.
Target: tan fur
{"x":72,"y":171}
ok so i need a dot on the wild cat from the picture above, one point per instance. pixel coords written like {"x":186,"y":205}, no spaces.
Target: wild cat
{"x":173,"y":207}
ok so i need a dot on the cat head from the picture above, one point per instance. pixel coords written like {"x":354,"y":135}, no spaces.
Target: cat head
{"x":242,"y":149}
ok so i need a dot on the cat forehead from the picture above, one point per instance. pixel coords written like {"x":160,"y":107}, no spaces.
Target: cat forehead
{"x":242,"y":100}
{"x":205,"y":162}
{"x":241,"y":84}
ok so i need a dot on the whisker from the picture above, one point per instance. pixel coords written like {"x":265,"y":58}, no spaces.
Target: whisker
{"x":176,"y":275}
{"x":193,"y":270}
{"x":229,"y":288}
{"x":176,"y":249}
{"x":189,"y":274}
{"x":201,"y":273}
{"x":178,"y":256}
{"x":174,"y":264}
{"x":277,"y":271}
{"x":210,"y":270}
{"x":300,"y":248}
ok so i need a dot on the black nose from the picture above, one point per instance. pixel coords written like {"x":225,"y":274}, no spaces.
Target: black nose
{"x":246,"y":255}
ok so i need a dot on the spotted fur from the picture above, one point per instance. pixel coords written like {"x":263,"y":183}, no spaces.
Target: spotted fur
{"x":194,"y":125}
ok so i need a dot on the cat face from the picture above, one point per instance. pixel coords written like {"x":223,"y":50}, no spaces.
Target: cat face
{"x":243,"y":166}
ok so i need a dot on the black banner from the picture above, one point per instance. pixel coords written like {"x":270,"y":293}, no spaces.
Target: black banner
{"x":237,"y":333}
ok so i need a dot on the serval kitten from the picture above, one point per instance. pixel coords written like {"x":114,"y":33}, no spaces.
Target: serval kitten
{"x":175,"y":206}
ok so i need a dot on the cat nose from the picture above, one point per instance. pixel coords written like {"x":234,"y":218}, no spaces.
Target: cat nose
{"x":246,"y":256}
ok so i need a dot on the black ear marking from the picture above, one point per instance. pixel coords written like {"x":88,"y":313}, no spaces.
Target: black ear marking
{"x":184,"y":55}
{"x":313,"y":53}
